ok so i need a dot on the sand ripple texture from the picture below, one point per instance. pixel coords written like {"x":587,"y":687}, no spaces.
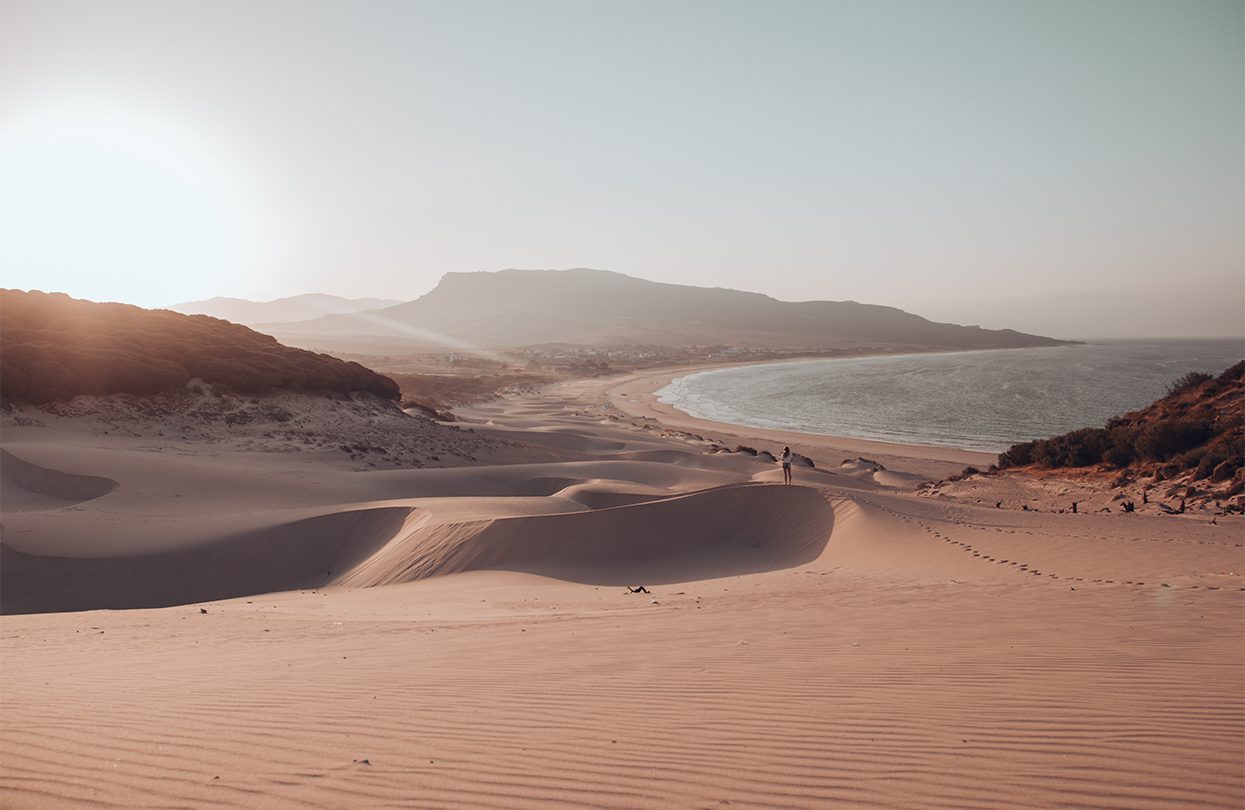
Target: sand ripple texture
{"x":840,"y":643}
{"x":894,"y":670}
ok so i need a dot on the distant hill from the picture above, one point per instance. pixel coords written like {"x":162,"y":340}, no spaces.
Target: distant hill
{"x":513,"y":308}
{"x":53,"y":347}
{"x":280,"y":310}
{"x":1198,"y":427}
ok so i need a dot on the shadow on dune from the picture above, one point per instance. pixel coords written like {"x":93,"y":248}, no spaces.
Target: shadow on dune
{"x":300,"y":554}
{"x":25,"y":486}
{"x":726,"y":531}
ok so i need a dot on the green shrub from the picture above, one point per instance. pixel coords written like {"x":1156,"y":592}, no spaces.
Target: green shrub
{"x":1188,"y":441}
{"x":1018,"y":455}
{"x":1079,"y":448}
{"x":1085,"y":447}
{"x":1191,"y":380}
{"x":1051,"y":452}
{"x":1122,"y":440}
{"x":1189,"y":459}
{"x":1234,"y":373}
{"x":1162,"y":440}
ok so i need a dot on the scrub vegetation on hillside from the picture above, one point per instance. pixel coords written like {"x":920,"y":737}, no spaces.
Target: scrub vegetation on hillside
{"x":53,"y":347}
{"x":1199,"y":425}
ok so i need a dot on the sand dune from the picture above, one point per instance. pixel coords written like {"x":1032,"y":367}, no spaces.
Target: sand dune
{"x":736,"y":529}
{"x":800,"y":687}
{"x":25,"y":486}
{"x":298,"y":554}
{"x":460,"y":637}
{"x":534,"y":479}
{"x":602,"y":494}
{"x":719,"y":532}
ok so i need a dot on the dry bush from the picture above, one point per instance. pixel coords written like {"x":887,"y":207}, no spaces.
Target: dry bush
{"x":1198,"y":425}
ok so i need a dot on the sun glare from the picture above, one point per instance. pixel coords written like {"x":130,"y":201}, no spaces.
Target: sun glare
{"x":119,"y":205}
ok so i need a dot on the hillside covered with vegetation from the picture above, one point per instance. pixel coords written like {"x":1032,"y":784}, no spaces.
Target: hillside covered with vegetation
{"x":1198,"y":426}
{"x":53,"y":347}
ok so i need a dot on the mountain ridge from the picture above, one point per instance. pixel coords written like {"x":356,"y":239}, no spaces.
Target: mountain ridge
{"x":512,"y":308}
{"x":288,"y":309}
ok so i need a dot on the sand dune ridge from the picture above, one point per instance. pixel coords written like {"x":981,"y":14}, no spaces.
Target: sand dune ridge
{"x":726,"y":531}
{"x":25,"y":486}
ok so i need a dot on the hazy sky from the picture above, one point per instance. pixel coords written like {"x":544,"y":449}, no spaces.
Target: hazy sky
{"x":1072,"y":168}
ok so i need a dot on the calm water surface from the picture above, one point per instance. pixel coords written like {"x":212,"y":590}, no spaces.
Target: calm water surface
{"x":981,"y":400}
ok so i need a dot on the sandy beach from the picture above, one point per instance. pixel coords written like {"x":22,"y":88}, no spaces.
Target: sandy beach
{"x":309,"y":626}
{"x":636,"y":395}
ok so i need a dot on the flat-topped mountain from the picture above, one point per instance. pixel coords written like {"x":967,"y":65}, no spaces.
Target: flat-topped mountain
{"x":53,"y":347}
{"x":513,"y":308}
{"x":280,"y":310}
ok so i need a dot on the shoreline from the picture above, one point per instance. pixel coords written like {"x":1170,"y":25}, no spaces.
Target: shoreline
{"x":840,"y":436}
{"x":642,"y":401}
{"x":655,"y":379}
{"x":634,"y":394}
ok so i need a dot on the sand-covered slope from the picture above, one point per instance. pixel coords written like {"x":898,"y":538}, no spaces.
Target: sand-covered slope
{"x":125,"y":501}
{"x":26,"y":487}
{"x":461,"y":637}
{"x":893,"y":669}
{"x":730,"y":530}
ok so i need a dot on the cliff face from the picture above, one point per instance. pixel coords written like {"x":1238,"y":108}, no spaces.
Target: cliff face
{"x":594,"y":307}
{"x":53,"y":347}
{"x":1198,"y":428}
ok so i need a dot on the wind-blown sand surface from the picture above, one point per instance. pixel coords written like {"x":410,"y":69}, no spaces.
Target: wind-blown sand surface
{"x":842,"y":642}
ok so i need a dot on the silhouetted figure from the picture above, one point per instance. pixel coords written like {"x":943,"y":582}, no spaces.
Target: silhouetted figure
{"x":640,"y":589}
{"x":1145,"y":496}
{"x":998,"y":505}
{"x":1128,"y":506}
{"x":1180,"y":511}
{"x":786,"y":465}
{"x":1074,"y":507}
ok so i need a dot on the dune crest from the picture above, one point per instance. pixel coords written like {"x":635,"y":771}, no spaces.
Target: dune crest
{"x":25,"y":486}
{"x":297,"y":554}
{"x":720,"y":532}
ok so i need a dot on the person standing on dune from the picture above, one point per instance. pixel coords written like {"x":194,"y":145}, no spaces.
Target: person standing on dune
{"x":786,"y":465}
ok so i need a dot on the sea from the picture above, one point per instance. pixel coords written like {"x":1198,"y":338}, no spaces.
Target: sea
{"x":975,"y":400}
